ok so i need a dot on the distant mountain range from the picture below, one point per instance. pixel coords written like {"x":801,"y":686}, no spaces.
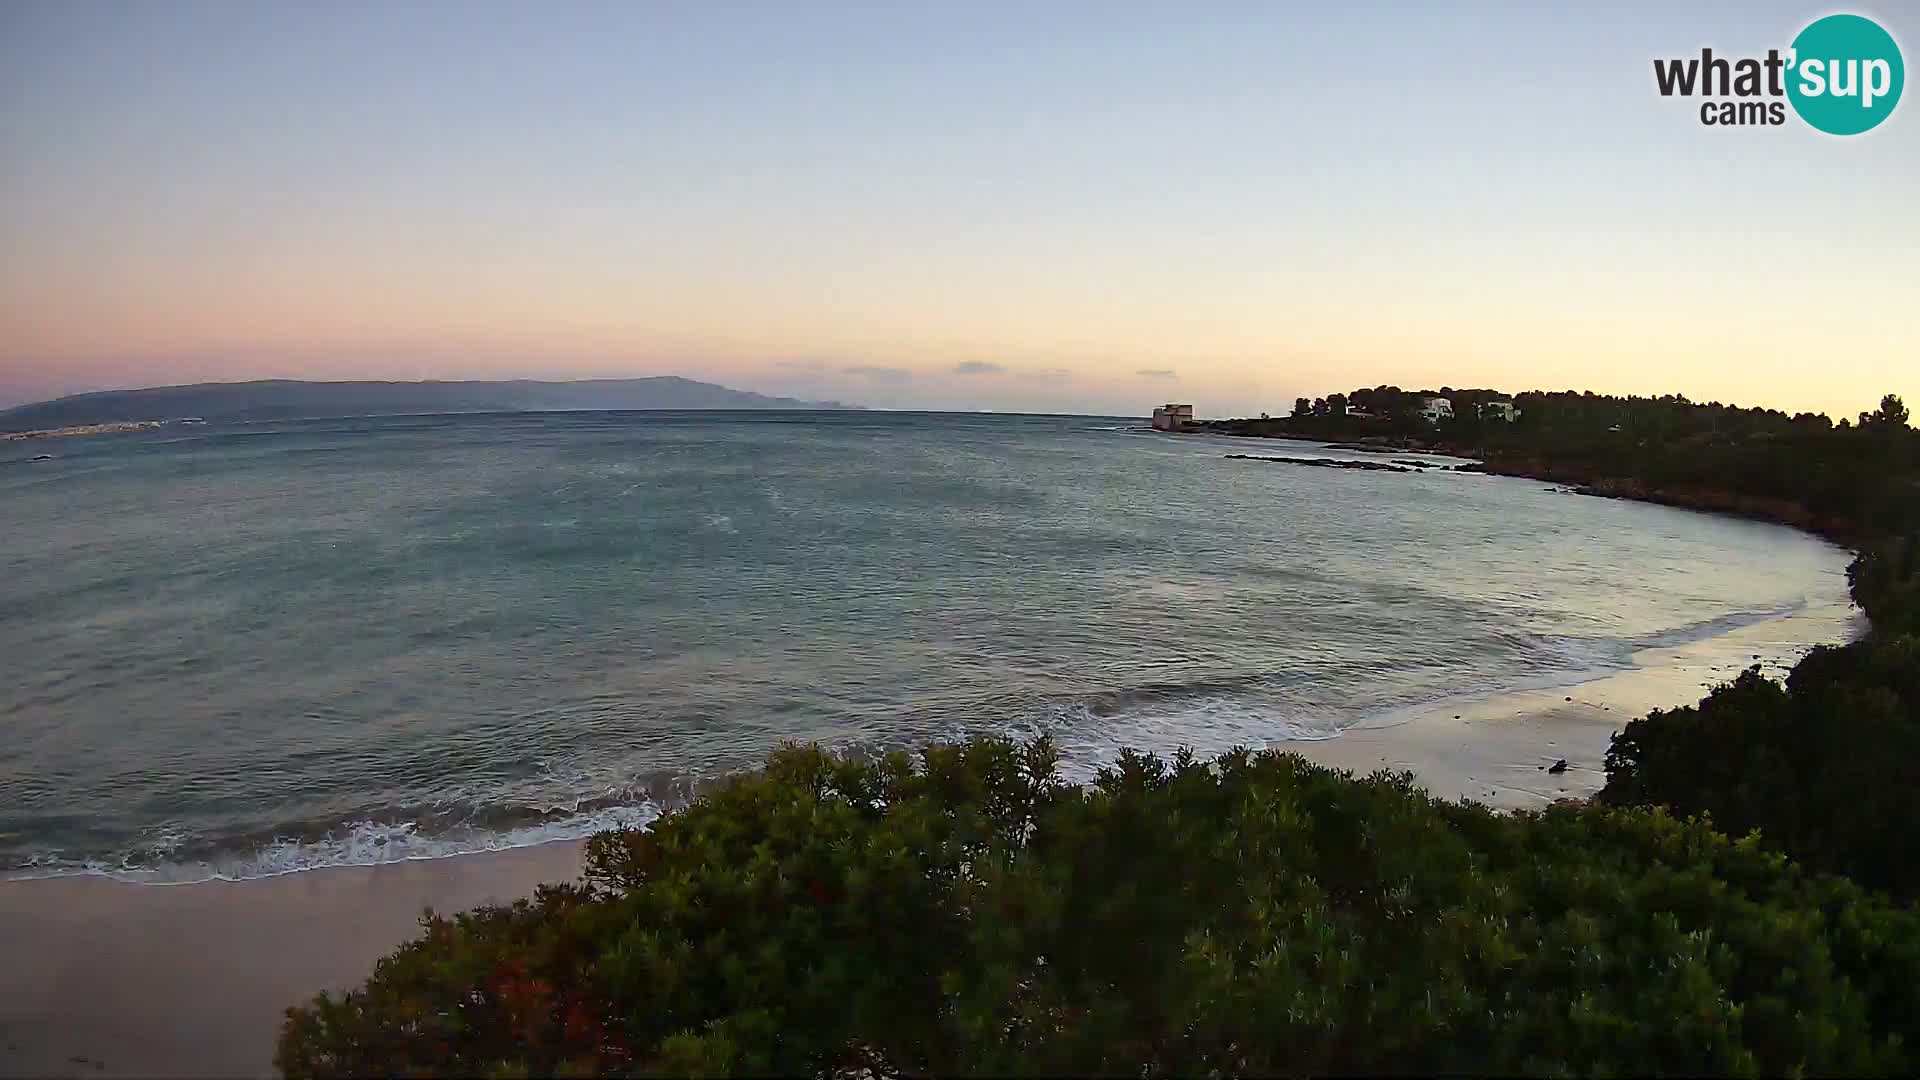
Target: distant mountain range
{"x":288,"y":399}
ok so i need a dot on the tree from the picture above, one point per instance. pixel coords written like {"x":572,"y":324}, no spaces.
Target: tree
{"x":1337,"y":404}
{"x":1302,"y":407}
{"x":1885,"y":581}
{"x":1891,"y":414}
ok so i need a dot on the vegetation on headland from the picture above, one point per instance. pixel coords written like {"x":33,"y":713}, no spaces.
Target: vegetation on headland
{"x":968,"y":912}
{"x":1886,"y":584}
{"x":1857,"y":480}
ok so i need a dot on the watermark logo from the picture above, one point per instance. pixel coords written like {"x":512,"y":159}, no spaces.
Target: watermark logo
{"x":1849,"y":74}
{"x":1843,"y":75}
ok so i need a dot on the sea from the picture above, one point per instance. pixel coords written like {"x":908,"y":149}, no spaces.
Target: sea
{"x":237,"y":650}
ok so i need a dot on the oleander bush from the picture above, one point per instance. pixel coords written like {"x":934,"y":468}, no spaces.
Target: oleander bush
{"x":966,"y":912}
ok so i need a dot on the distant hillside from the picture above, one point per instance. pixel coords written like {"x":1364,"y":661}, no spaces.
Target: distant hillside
{"x":284,"y":399}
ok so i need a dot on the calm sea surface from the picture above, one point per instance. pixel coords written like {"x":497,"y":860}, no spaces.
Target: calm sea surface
{"x":239,"y":650}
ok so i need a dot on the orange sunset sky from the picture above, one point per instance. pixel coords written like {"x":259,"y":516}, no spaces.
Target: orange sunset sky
{"x":1086,"y":208}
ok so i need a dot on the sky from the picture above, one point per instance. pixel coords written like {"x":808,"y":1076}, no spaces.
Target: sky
{"x":1076,"y":207}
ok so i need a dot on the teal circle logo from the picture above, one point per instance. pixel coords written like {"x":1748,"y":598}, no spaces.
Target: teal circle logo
{"x":1845,"y":74}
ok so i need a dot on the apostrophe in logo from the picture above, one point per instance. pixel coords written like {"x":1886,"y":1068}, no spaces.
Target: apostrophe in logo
{"x":1845,"y":74}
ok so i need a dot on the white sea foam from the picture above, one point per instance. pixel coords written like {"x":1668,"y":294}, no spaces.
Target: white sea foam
{"x":1087,"y":741}
{"x":364,"y":843}
{"x":1208,"y":725}
{"x":1088,"y":738}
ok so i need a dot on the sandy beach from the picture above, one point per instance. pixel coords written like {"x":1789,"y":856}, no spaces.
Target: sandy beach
{"x":1495,"y":749}
{"x":107,"y":978}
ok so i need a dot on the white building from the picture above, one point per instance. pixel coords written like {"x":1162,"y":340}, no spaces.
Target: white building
{"x":1172,"y":417}
{"x":1436,"y":409}
{"x":1498,"y":410}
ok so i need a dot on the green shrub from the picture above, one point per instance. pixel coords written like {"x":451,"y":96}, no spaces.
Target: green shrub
{"x":969,"y":913}
{"x":1886,"y":584}
{"x":1823,"y":766}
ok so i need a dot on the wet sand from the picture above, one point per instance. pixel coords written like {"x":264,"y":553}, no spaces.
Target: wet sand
{"x":107,"y":978}
{"x":1496,"y":749}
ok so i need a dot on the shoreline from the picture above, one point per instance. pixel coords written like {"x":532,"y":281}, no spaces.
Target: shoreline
{"x":97,"y":963}
{"x":1836,"y":625}
{"x":1495,"y":748}
{"x":1583,"y":481}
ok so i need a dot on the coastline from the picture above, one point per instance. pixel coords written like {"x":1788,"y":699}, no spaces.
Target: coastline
{"x":1495,"y":748}
{"x":1583,"y":481}
{"x":97,"y":965}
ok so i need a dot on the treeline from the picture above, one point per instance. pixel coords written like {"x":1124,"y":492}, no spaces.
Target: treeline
{"x":1856,"y":480}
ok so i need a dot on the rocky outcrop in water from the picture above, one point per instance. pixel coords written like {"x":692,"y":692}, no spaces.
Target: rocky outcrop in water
{"x":1326,"y":463}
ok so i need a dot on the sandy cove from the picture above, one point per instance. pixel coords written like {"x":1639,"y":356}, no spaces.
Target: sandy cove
{"x":1496,"y":749}
{"x":106,"y":978}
